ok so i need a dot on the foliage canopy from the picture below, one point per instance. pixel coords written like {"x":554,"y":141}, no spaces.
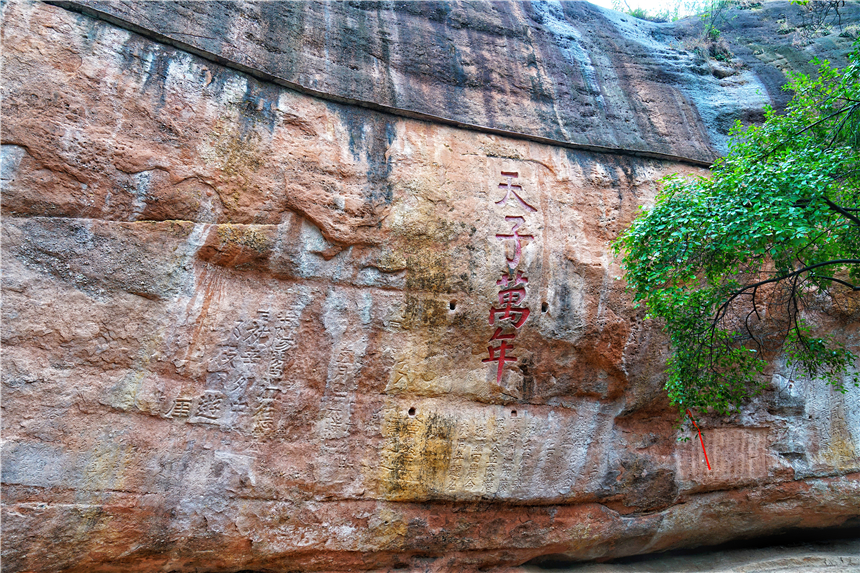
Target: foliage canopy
{"x":732,"y":263}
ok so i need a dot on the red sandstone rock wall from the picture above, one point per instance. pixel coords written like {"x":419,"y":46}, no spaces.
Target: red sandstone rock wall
{"x":247,"y":328}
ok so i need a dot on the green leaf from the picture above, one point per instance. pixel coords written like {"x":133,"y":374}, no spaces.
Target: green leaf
{"x":764,"y":217}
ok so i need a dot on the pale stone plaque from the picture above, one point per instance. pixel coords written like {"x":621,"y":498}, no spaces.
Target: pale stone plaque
{"x":735,"y":455}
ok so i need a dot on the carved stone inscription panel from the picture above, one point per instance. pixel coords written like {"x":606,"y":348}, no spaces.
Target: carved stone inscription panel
{"x":736,"y":455}
{"x":496,"y":452}
{"x":245,"y":373}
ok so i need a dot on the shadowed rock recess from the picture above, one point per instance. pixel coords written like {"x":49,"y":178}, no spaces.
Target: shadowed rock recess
{"x":327,"y":287}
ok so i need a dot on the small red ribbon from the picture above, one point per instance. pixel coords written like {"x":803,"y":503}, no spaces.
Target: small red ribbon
{"x":700,"y":439}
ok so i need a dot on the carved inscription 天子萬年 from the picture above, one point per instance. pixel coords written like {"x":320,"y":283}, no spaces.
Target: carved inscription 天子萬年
{"x":511,"y":313}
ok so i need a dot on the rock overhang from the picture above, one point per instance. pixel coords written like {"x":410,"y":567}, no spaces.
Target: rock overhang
{"x":567,"y":73}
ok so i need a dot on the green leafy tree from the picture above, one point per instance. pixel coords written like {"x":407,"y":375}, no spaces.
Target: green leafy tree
{"x":670,"y":11}
{"x":734,"y":262}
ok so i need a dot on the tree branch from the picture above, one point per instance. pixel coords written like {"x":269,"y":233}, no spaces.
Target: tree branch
{"x":825,"y":118}
{"x":840,"y":281}
{"x":841,"y":125}
{"x":840,"y":209}
{"x":724,"y":307}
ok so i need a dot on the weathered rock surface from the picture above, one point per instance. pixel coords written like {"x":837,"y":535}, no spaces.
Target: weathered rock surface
{"x":247,"y":328}
{"x":566,"y":71}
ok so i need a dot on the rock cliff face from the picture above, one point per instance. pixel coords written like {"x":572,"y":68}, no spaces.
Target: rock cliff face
{"x":268,"y":304}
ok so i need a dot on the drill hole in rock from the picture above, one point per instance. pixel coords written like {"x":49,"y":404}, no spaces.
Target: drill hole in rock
{"x":452,"y":305}
{"x":544,"y":307}
{"x":411,"y":411}
{"x":513,"y":413}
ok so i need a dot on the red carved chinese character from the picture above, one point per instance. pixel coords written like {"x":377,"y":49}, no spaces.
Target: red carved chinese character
{"x":507,"y":300}
{"x":512,"y":296}
{"x":517,"y":238}
{"x":509,"y":187}
{"x":497,"y":335}
{"x":497,"y":354}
